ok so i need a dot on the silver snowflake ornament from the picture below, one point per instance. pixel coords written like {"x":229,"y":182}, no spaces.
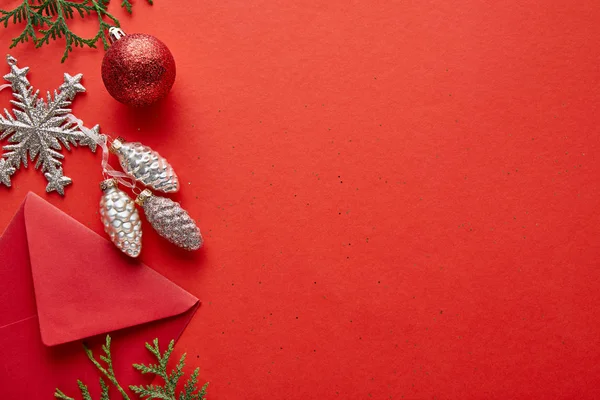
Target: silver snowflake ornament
{"x":6,"y":170}
{"x":40,"y":128}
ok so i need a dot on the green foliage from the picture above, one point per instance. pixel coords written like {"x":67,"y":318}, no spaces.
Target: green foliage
{"x":85,"y":393}
{"x":166,"y":392}
{"x":126,"y":4}
{"x":48,"y":18}
{"x":60,"y":395}
{"x":104,"y":387}
{"x":108,"y":372}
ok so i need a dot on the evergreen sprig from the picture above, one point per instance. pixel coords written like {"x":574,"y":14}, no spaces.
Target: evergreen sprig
{"x":49,"y":18}
{"x":166,"y":392}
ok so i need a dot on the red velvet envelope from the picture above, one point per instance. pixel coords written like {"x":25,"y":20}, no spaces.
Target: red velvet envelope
{"x":62,"y":284}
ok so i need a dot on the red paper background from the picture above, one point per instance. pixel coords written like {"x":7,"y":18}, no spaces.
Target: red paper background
{"x":399,"y":198}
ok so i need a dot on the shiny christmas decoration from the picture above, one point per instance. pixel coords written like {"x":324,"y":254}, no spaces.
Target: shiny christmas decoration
{"x":170,"y":220}
{"x":40,"y":128}
{"x":146,"y":166}
{"x":138,"y":69}
{"x":120,"y":218}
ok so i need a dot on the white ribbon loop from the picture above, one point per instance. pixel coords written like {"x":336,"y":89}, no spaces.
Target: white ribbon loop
{"x":102,"y":141}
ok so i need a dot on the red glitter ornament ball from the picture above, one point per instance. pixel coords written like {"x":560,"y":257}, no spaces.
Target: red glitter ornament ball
{"x":138,"y":69}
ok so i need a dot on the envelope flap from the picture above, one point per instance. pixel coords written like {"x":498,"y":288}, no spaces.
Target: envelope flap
{"x":84,"y":286}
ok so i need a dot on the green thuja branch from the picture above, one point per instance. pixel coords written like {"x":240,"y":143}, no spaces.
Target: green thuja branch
{"x":165,"y":392}
{"x":59,"y":27}
{"x":60,"y":395}
{"x":85,"y":393}
{"x":191,"y":386}
{"x":24,"y":12}
{"x":104,"y":388}
{"x":49,"y":18}
{"x":100,"y":9}
{"x":108,"y":372}
{"x":126,"y":4}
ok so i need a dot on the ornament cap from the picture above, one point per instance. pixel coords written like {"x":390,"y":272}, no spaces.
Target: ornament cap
{"x":108,"y":183}
{"x":115,"y":34}
{"x":116,"y":145}
{"x":142,"y":197}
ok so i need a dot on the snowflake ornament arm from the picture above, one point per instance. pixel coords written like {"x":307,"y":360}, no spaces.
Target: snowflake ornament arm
{"x":6,"y":170}
{"x":40,"y":128}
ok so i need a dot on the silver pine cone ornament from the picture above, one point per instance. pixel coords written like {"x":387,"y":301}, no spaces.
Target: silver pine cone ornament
{"x":170,"y":220}
{"x":120,"y":218}
{"x":146,"y":166}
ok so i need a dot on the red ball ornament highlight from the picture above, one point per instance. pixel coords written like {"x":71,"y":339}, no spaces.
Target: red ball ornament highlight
{"x":138,"y":69}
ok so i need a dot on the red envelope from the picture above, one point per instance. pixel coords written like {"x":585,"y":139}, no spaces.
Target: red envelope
{"x":61,"y":284}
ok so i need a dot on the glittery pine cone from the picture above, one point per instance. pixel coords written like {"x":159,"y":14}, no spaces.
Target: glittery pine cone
{"x":146,"y":166}
{"x":171,"y":221}
{"x":120,"y":219}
